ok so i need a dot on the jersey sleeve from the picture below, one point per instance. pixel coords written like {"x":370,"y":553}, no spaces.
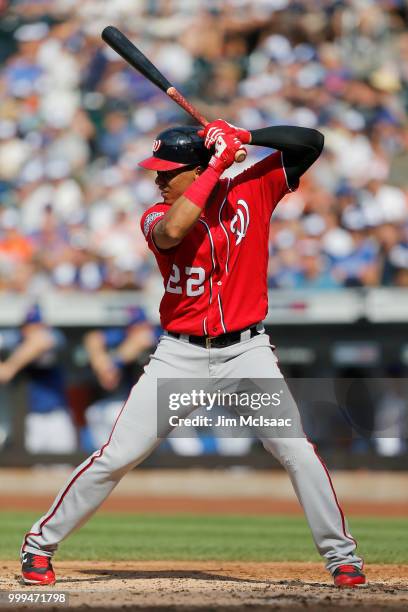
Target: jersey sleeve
{"x":266,"y":181}
{"x":148,"y":221}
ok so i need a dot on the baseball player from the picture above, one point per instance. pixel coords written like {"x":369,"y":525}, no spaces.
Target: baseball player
{"x":36,"y":349}
{"x":113,"y":354}
{"x":210,"y":238}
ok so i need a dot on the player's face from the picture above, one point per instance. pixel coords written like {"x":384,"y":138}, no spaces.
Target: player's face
{"x":173,"y":183}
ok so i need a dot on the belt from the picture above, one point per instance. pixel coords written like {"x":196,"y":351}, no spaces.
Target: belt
{"x":224,"y":339}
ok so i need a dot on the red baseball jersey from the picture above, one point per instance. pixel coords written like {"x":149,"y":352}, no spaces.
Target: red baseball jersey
{"x":215,"y":280}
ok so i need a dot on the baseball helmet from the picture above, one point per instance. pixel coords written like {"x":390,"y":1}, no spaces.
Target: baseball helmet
{"x":175,"y":148}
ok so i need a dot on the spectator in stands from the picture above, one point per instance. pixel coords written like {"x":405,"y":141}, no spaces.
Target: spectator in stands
{"x":14,"y":246}
{"x":314,"y":270}
{"x":358,"y":266}
{"x":116,"y":135}
{"x":35,"y":350}
{"x":393,"y":259}
{"x":121,"y":246}
{"x":50,"y":241}
{"x":284,"y":264}
{"x":75,"y":120}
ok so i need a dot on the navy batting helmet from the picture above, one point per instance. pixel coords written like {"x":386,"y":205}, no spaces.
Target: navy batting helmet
{"x":175,"y":148}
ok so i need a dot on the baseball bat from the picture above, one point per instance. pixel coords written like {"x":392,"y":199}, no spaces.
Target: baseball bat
{"x":133,"y":56}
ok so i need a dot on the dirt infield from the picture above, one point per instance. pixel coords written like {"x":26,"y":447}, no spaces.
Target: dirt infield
{"x":218,"y":505}
{"x":222,"y":586}
{"x":207,"y":586}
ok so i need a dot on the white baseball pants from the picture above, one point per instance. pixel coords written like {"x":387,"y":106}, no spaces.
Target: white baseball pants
{"x":134,"y":437}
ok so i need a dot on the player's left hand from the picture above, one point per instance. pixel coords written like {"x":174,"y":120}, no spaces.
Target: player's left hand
{"x":220,"y":127}
{"x":226,"y":148}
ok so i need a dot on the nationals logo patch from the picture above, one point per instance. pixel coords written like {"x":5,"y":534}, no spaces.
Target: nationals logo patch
{"x":156,"y":145}
{"x":149,"y":220}
{"x":240,"y":222}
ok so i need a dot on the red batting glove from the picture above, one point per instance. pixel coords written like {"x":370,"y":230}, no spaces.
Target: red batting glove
{"x":226,"y":146}
{"x":242,"y":134}
{"x":212,"y":130}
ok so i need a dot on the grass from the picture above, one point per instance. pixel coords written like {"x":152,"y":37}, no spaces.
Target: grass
{"x":214,"y":537}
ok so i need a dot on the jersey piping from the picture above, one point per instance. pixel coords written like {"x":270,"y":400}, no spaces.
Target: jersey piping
{"x":212,"y":257}
{"x":223,"y":227}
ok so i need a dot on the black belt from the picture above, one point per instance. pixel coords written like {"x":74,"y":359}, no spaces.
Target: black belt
{"x":219,"y":341}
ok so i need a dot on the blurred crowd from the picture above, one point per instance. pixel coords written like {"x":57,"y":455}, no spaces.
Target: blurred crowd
{"x":75,"y":120}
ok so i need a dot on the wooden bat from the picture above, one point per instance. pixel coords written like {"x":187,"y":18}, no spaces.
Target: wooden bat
{"x":133,"y":56}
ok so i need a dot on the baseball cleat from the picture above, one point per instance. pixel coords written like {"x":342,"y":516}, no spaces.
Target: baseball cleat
{"x":348,"y":576}
{"x":37,"y":569}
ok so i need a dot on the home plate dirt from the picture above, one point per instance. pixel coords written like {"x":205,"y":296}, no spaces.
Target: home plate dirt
{"x":207,"y":586}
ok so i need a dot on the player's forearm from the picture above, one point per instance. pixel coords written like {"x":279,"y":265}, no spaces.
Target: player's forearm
{"x":94,"y":343}
{"x":134,"y":344}
{"x":28,"y":352}
{"x":99,"y":357}
{"x":300,"y":147}
{"x":176,"y":223}
{"x":186,"y":210}
{"x":304,"y":141}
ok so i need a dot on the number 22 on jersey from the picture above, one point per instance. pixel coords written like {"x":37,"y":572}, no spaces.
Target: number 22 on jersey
{"x":194,"y":284}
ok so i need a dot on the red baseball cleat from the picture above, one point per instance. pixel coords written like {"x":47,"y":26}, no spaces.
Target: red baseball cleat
{"x":37,"y":569}
{"x":348,"y":576}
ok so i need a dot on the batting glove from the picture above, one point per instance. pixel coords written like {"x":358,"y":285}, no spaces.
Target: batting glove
{"x":214,"y":129}
{"x":226,"y":147}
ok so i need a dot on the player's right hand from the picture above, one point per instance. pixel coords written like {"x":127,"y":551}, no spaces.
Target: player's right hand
{"x":226,"y":147}
{"x":212,"y":130}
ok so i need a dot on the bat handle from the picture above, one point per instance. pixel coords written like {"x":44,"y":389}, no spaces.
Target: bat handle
{"x":175,"y":95}
{"x":240,"y":155}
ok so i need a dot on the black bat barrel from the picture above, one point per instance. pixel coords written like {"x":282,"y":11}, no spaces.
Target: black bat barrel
{"x":122,"y":45}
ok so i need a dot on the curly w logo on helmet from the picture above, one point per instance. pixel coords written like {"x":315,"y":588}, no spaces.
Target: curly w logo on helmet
{"x":156,"y":145}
